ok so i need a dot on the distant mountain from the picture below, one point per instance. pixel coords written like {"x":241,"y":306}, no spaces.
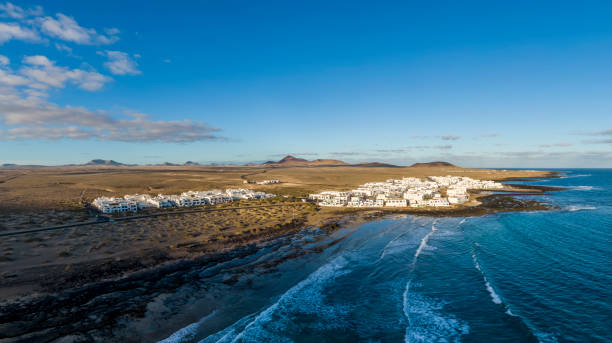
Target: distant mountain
{"x":375,"y":164}
{"x":99,"y":162}
{"x":434,"y":164}
{"x":9,"y":165}
{"x":291,"y":159}
{"x":190,"y":163}
{"x":327,"y":161}
{"x":295,"y":161}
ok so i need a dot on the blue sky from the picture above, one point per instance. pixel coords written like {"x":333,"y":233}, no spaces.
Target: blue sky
{"x":480,"y":84}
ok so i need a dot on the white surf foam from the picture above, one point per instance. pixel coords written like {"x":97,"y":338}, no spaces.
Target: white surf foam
{"x":574,"y":208}
{"x":229,"y":333}
{"x":394,"y":245}
{"x":305,"y":297}
{"x":423,"y":243}
{"x":542,"y":337}
{"x":583,"y":188}
{"x":494,"y":296}
{"x":184,"y":334}
{"x":188,"y":332}
{"x":426,"y":323}
{"x":574,"y":176}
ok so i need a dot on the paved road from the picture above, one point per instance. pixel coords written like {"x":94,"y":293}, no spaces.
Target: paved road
{"x":104,"y":219}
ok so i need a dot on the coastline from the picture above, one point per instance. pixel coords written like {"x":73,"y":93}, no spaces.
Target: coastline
{"x":135,"y":279}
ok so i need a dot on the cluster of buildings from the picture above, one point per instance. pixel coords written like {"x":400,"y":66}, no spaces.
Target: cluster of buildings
{"x":264,"y":182}
{"x":409,"y":191}
{"x":135,"y":202}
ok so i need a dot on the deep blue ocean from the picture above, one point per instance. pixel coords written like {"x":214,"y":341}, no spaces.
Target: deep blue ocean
{"x":510,"y":277}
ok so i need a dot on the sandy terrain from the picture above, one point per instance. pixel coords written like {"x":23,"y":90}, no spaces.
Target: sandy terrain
{"x":40,"y":268}
{"x":43,"y":197}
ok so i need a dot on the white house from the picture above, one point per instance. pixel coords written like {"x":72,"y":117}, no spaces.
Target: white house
{"x":396,"y":203}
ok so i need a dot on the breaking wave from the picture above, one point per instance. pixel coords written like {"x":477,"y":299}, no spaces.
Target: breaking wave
{"x":306,"y":297}
{"x":423,"y":244}
{"x":574,"y":176}
{"x":494,"y":296}
{"x":583,"y":188}
{"x":574,"y":208}
{"x":187,"y":333}
{"x":426,"y":323}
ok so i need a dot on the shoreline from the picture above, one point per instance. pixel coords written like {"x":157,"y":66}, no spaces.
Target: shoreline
{"x":143,"y":276}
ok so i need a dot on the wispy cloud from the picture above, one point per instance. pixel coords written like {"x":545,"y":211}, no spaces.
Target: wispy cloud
{"x":39,"y":119}
{"x":486,"y":135}
{"x":561,"y":144}
{"x":9,"y":31}
{"x":606,"y":134}
{"x":120,"y":63}
{"x":346,"y":153}
{"x":9,"y":10}
{"x":66,"y":28}
{"x":598,"y":141}
{"x":392,"y":151}
{"x":63,"y":48}
{"x":450,"y":138}
{"x":294,"y":154}
{"x":44,"y":73}
{"x":601,"y":133}
{"x":30,"y":23}
{"x":25,"y":113}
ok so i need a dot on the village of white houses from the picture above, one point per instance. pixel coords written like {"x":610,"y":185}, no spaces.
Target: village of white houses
{"x":409,"y":191}
{"x":136,"y":202}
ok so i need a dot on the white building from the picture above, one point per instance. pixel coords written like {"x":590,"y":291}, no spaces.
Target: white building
{"x":396,"y":203}
{"x":135,"y":202}
{"x":114,"y":205}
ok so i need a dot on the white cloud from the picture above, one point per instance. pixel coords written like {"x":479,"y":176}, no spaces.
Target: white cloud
{"x":66,"y":28}
{"x":607,"y":134}
{"x":120,"y":63}
{"x":16,"y":12}
{"x":25,"y":113}
{"x":7,"y":78}
{"x":112,"y":31}
{"x":450,"y":138}
{"x":43,"y":71}
{"x":33,"y":118}
{"x":64,"y":48}
{"x":10,"y":31}
{"x":561,"y":144}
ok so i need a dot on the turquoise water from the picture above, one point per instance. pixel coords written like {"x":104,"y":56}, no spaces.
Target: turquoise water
{"x":512,"y":277}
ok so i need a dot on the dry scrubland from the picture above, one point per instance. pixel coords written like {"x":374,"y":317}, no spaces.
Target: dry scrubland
{"x":39,"y":197}
{"x":63,"y":188}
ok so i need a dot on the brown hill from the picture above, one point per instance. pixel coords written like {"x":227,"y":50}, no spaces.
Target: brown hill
{"x":434,"y":164}
{"x":376,"y":164}
{"x":100,"y":162}
{"x":327,"y":161}
{"x":295,"y":161}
